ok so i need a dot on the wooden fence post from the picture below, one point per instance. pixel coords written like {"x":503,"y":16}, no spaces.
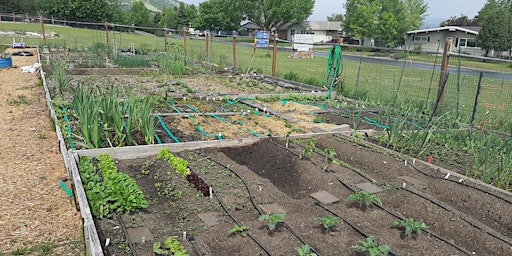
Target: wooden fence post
{"x":444,"y":74}
{"x":41,"y":20}
{"x":234,"y":48}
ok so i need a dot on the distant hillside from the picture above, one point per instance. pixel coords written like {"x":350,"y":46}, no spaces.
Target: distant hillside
{"x":154,"y":5}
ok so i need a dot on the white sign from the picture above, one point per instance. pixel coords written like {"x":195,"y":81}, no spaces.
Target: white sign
{"x":303,"y":42}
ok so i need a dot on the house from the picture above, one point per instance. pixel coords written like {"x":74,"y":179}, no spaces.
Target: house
{"x":323,"y":31}
{"x":428,"y":40}
{"x":247,"y":28}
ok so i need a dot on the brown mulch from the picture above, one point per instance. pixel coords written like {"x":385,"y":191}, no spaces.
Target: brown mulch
{"x":34,"y":210}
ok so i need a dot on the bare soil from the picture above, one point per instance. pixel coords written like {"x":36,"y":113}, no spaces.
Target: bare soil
{"x":463,"y":218}
{"x":34,"y":210}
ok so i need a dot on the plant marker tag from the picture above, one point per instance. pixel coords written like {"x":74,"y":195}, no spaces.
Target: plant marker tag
{"x":414,"y":161}
{"x":405,"y":163}
{"x":429,"y":159}
{"x":184,"y":98}
{"x":107,"y":242}
{"x":403,"y":185}
{"x":447,"y":175}
{"x":184,"y":235}
{"x":211,"y":192}
{"x":461,"y":180}
{"x":143,"y":240}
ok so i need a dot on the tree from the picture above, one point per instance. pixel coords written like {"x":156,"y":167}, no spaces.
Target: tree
{"x":386,"y":21}
{"x":273,"y":13}
{"x":463,"y":20}
{"x":19,"y":6}
{"x":335,"y":17}
{"x":178,"y":17}
{"x":79,"y":10}
{"x":139,"y":14}
{"x":218,"y":15}
{"x":496,"y":31}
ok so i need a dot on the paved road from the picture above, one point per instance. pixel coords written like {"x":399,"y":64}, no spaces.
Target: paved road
{"x":416,"y":65}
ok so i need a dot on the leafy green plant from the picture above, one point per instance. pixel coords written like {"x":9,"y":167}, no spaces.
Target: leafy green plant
{"x":172,"y":246}
{"x":273,"y":220}
{"x":411,"y":226}
{"x":328,"y":222}
{"x":242,"y":230}
{"x":364,"y":199}
{"x":309,"y":149}
{"x":305,"y":250}
{"x":180,"y":165}
{"x":62,"y":81}
{"x":370,"y":247}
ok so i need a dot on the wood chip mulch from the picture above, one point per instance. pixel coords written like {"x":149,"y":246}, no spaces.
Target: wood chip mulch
{"x":34,"y":210}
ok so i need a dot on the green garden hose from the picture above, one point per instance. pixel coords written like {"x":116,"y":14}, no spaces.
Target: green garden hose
{"x":334,"y":69}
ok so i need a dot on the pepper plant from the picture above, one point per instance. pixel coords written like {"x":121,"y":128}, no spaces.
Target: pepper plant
{"x":273,"y":220}
{"x":364,"y":199}
{"x":328,"y":222}
{"x":305,"y":250}
{"x":370,"y":247}
{"x":411,"y":226}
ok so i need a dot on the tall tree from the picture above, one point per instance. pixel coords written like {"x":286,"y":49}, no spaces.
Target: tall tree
{"x":178,"y":17}
{"x":218,"y":15}
{"x":385,"y":21}
{"x":79,"y":10}
{"x":335,"y":17}
{"x":272,"y":13}
{"x":496,"y":31}
{"x":19,"y":6}
{"x":463,"y":20}
{"x":139,"y":14}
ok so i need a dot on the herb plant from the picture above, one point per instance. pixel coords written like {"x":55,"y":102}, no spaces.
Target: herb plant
{"x":305,"y":250}
{"x":242,"y":230}
{"x":411,"y":226}
{"x":370,"y":247}
{"x":273,"y":220}
{"x":328,"y":222}
{"x":364,"y":199}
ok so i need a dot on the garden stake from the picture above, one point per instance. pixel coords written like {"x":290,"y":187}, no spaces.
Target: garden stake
{"x":429,"y":159}
{"x":447,"y":176}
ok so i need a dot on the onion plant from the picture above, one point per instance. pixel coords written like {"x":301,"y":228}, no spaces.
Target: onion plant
{"x":60,"y":77}
{"x":87,"y":112}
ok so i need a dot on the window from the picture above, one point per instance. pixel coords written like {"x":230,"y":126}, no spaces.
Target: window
{"x":303,"y":31}
{"x":421,"y":39}
{"x":292,"y":32}
{"x":467,"y":42}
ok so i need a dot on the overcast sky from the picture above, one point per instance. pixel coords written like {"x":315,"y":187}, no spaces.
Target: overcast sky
{"x":438,"y":10}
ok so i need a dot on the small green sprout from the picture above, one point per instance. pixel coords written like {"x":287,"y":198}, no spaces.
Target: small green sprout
{"x":370,"y":247}
{"x":411,"y":226}
{"x":273,"y":220}
{"x":364,"y":199}
{"x":242,"y":230}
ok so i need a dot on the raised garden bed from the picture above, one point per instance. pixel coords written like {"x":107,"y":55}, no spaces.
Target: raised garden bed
{"x":462,"y":218}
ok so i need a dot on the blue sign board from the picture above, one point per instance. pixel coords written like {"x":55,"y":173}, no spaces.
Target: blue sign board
{"x":262,"y":35}
{"x":262,"y":43}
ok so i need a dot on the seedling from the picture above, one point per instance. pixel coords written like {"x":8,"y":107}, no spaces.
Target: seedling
{"x":309,"y":149}
{"x":305,"y":250}
{"x":273,"y":220}
{"x":370,"y":247}
{"x":328,"y":222}
{"x":330,"y":153}
{"x":364,"y":199}
{"x":411,"y":226}
{"x":172,"y":246}
{"x":242,"y":230}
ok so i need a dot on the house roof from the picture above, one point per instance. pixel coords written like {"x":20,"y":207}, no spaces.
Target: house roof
{"x":471,"y":30}
{"x":314,"y":25}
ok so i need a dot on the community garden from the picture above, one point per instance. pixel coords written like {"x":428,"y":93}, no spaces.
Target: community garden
{"x":179,"y":154}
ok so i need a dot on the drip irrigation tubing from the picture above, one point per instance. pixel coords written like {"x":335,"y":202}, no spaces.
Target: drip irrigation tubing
{"x":463,"y":218}
{"x":290,"y":229}
{"x":401,"y":156}
{"x":162,"y":123}
{"x":192,"y":241}
{"x":126,"y":237}
{"x":388,"y":211}
{"x":358,"y":230}
{"x":237,"y":221}
{"x":68,"y":127}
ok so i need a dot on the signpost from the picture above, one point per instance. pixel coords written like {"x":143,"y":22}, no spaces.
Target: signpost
{"x":303,"y":42}
{"x":261,"y":40}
